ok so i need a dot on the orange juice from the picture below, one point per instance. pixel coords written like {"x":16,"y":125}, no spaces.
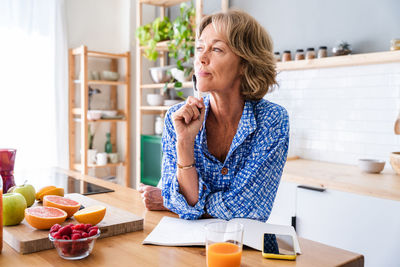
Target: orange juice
{"x":223,"y":255}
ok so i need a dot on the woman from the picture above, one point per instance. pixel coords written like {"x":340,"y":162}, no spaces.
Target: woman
{"x":224,"y":154}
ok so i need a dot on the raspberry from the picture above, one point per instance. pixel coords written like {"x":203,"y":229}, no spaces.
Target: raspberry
{"x":76,"y":236}
{"x":65,"y":237}
{"x":79,"y":227}
{"x":84,"y":235}
{"x":87,"y":226}
{"x":55,"y":228}
{"x":66,"y":230}
{"x":93,"y":232}
{"x":57,"y":236}
{"x":93,"y":227}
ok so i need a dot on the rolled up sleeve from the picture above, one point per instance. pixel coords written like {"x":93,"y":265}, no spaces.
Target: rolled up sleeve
{"x":173,"y":199}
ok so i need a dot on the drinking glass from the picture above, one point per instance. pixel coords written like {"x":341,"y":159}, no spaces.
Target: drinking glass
{"x":224,"y":242}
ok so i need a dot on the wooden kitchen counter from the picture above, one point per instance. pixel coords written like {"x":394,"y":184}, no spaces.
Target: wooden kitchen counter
{"x":127,"y":249}
{"x":342,"y":177}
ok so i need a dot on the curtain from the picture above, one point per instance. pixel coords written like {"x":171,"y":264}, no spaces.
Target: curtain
{"x":33,"y":82}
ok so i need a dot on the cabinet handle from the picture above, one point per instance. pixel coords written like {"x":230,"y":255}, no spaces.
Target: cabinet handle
{"x":319,"y":189}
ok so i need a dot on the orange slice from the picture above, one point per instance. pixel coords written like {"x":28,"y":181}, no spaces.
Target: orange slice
{"x":44,"y":217}
{"x":43,"y":189}
{"x":92,"y":215}
{"x":68,"y":205}
{"x":54,"y":191}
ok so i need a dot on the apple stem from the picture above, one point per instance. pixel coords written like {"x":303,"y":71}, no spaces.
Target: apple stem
{"x":25,"y":182}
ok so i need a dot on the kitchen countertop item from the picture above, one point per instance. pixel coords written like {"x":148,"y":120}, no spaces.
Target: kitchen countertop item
{"x":371,"y":165}
{"x":127,"y":249}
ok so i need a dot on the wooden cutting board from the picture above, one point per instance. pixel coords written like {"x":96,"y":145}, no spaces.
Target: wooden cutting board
{"x":26,"y":239}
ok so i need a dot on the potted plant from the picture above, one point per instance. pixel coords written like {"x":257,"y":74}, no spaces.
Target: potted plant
{"x":181,"y":33}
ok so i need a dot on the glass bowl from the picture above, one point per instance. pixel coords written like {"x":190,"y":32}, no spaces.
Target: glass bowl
{"x":74,"y":249}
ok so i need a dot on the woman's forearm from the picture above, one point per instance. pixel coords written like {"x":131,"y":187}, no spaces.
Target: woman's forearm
{"x":187,"y":178}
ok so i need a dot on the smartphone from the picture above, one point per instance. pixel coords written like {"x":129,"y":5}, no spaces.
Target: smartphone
{"x":276,"y":246}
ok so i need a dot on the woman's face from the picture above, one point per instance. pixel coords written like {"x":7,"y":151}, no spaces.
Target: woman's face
{"x":217,"y":68}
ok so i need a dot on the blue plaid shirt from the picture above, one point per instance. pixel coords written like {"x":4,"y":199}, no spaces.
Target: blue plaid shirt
{"x":247,"y":185}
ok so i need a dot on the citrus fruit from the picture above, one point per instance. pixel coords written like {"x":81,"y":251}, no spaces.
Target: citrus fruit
{"x":53,"y":191}
{"x":42,"y":190}
{"x":44,"y":217}
{"x":92,"y":215}
{"x":68,"y":205}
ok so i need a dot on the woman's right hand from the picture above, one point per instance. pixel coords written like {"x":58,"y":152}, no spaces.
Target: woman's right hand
{"x":188,"y":119}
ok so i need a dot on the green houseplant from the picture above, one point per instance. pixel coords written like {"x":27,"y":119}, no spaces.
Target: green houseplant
{"x":180,"y":32}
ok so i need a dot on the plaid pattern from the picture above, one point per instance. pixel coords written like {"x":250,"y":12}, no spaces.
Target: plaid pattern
{"x":254,"y":166}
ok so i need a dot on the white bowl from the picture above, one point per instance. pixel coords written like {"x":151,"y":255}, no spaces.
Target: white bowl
{"x":155,"y":99}
{"x":109,"y":113}
{"x":371,"y":165}
{"x":160,"y":74}
{"x":109,"y":75}
{"x":94,"y":114}
{"x":180,"y":75}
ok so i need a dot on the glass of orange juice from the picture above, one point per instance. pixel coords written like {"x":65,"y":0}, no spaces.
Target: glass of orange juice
{"x":224,"y":242}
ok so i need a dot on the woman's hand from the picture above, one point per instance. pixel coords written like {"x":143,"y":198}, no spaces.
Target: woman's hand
{"x":152,"y":198}
{"x":188,"y":119}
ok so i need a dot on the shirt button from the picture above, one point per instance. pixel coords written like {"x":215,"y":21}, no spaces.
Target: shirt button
{"x":224,"y":171}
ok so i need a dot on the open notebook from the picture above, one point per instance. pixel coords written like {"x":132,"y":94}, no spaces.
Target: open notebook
{"x":178,"y":232}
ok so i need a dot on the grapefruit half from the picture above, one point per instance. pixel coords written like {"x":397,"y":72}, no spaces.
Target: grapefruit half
{"x":44,"y":217}
{"x":68,"y":205}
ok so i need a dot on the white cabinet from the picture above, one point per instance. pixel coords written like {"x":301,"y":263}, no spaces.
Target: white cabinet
{"x":284,"y":205}
{"x":362,"y":224}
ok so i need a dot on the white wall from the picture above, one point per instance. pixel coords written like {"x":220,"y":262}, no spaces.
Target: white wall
{"x":101,"y":25}
{"x":342,"y":114}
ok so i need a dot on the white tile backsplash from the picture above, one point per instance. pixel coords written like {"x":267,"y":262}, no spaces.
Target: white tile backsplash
{"x":341,"y":114}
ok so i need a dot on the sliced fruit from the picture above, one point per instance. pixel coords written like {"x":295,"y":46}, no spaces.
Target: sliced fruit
{"x":68,"y":205}
{"x":92,"y":215}
{"x":54,"y":191}
{"x":44,"y":217}
{"x":43,"y":189}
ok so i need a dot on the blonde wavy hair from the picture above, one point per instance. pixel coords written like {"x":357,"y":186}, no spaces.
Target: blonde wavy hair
{"x":251,"y":42}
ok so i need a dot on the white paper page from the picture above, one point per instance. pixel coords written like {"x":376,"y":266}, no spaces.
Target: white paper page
{"x":254,"y":231}
{"x":178,"y":232}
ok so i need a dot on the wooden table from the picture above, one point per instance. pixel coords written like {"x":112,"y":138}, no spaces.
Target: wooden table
{"x":127,"y":249}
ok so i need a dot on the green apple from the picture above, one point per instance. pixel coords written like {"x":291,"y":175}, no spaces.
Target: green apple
{"x":14,"y":205}
{"x":27,"y":190}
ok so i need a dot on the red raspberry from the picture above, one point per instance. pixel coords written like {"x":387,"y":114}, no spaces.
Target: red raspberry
{"x":93,"y":227}
{"x":84,"y":235}
{"x":65,"y":237}
{"x":87,"y":226}
{"x":57,"y":236}
{"x":76,"y":236}
{"x":55,"y":228}
{"x":66,"y":230}
{"x":93,"y":232}
{"x":80,"y":226}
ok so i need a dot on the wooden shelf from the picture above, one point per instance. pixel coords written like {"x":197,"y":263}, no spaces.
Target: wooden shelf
{"x":79,"y":92}
{"x":78,"y":166}
{"x":161,"y":46}
{"x":161,"y":85}
{"x":341,"y":61}
{"x":155,"y":108}
{"x":162,"y":3}
{"x":102,"y":82}
{"x":79,"y":51}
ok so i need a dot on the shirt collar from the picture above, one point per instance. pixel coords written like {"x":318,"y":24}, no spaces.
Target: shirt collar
{"x":247,"y":125}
